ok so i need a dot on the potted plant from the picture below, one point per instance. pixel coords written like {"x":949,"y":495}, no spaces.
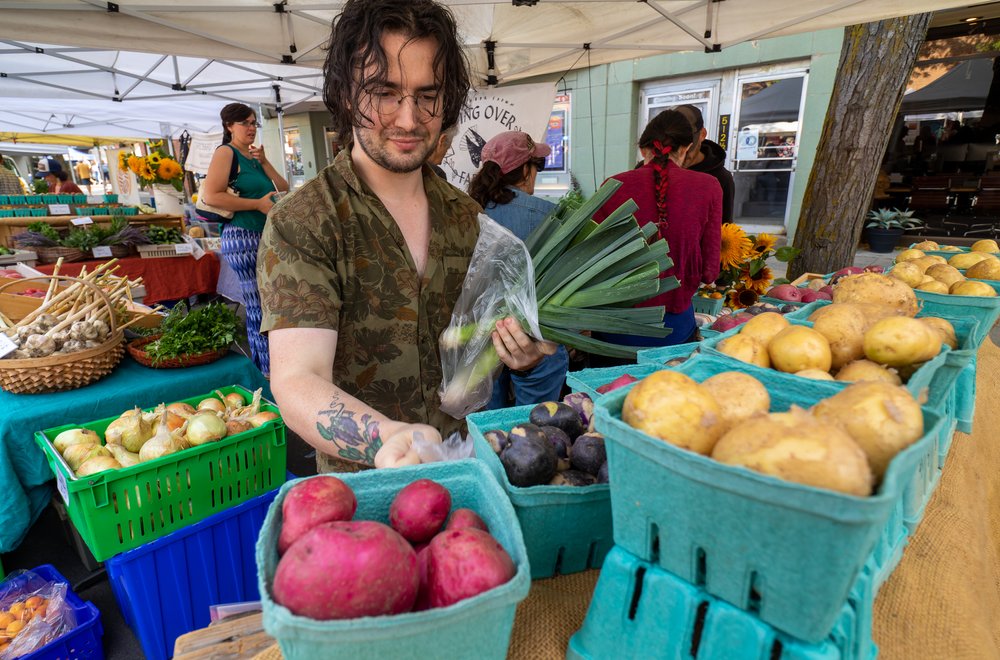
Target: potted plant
{"x":885,"y":228}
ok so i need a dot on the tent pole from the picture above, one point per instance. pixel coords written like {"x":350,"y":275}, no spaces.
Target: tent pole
{"x":281,"y":131}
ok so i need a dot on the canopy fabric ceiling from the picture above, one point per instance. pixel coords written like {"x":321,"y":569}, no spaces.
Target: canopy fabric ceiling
{"x":142,"y":63}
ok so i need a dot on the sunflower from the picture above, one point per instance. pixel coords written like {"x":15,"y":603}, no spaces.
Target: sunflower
{"x":759,"y":282}
{"x":735,"y":245}
{"x":741,"y":297}
{"x":134,"y":162}
{"x":169,"y":170}
{"x":764,"y":243}
{"x":145,"y":171}
{"x":123,"y":160}
{"x":154,"y":159}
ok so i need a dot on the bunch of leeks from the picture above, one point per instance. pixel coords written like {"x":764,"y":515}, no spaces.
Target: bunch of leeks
{"x":587,"y":277}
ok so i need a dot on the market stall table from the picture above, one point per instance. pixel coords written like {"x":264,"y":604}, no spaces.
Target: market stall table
{"x":25,"y":477}
{"x":11,"y":226}
{"x":942,"y":601}
{"x":165,"y":278}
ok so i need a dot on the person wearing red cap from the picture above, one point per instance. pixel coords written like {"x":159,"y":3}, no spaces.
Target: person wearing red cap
{"x":504,"y":187}
{"x":686,"y":207}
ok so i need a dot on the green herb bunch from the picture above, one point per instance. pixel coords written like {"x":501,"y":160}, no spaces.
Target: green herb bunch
{"x":163,"y":236}
{"x":210,"y":328}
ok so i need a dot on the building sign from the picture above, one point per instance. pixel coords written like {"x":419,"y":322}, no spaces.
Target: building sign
{"x":488,"y":112}
{"x":724,"y":122}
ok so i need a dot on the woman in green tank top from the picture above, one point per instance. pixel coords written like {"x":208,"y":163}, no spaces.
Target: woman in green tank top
{"x":256,"y":181}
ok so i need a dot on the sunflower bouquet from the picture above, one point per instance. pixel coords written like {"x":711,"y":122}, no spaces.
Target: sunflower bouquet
{"x":153,"y":168}
{"x":744,"y":275}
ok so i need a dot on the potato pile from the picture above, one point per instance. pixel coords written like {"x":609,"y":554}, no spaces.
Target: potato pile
{"x":933,"y":273}
{"x":867,"y":333}
{"x":843,"y":443}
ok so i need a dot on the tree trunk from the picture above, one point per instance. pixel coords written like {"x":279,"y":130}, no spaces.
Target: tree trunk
{"x":875,"y":64}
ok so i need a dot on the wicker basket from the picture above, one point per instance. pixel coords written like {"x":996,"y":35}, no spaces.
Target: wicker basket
{"x":50,"y":255}
{"x":63,"y":372}
{"x":135,"y":349}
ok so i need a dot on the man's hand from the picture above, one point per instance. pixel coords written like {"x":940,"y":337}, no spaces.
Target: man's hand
{"x":516,"y":349}
{"x":398,"y":450}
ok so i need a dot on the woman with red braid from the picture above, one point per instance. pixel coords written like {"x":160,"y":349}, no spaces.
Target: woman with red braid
{"x":686,"y":207}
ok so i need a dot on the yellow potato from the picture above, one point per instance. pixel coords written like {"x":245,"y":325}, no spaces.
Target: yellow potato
{"x":907,"y":255}
{"x":967,"y":259}
{"x":868,"y":370}
{"x":972,"y":288}
{"x":985,"y":245}
{"x":798,"y":347}
{"x":672,"y":407}
{"x":745,"y":348}
{"x":987,"y":269}
{"x":933,"y":286}
{"x":899,"y":341}
{"x":764,"y":327}
{"x":907,"y":272}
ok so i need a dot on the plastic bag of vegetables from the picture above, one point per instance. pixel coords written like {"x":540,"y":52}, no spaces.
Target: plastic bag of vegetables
{"x":570,"y":276}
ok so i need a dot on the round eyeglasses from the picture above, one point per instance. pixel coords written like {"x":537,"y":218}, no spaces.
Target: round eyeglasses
{"x":387,"y":100}
{"x":247,"y":124}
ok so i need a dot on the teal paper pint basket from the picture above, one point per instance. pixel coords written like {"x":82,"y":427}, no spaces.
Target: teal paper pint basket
{"x":567,"y":529}
{"x":660,"y":355}
{"x":588,"y":380}
{"x":984,"y":310}
{"x":477,"y":627}
{"x":965,"y":396}
{"x":710,"y":306}
{"x":641,"y":611}
{"x":785,"y":551}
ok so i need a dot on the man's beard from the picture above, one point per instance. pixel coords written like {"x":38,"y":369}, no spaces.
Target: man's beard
{"x":379,"y":153}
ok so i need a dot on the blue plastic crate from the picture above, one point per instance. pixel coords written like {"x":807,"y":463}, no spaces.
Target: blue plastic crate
{"x":477,"y":627}
{"x":567,"y":529}
{"x":788,"y":551}
{"x":83,"y":641}
{"x":165,"y":588}
{"x":641,"y":611}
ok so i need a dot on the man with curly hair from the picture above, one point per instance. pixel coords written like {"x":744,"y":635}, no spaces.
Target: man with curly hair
{"x":360,"y":268}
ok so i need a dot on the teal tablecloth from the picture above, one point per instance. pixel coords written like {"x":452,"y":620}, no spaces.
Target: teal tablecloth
{"x":25,"y":478}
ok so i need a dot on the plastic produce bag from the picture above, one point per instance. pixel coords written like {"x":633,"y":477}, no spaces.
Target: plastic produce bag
{"x":452,"y":448}
{"x":500,"y":283}
{"x":33,"y":612}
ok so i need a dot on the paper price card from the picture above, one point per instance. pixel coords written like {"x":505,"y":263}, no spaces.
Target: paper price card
{"x":184,"y":248}
{"x":95,"y":199}
{"x":102,"y":251}
{"x":82,"y":220}
{"x":58,"y":209}
{"x":7,"y":345}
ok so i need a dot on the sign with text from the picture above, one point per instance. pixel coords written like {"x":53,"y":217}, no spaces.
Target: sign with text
{"x":59,"y":209}
{"x":95,"y":199}
{"x":203,"y":146}
{"x":82,"y":220}
{"x":102,"y":251}
{"x":746,"y":147}
{"x":183,"y":248}
{"x":489,"y":112}
{"x":724,"y":123}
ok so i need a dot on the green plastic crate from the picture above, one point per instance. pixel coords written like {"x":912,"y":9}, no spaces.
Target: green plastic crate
{"x":567,"y":529}
{"x":477,"y":627}
{"x":118,"y":510}
{"x":785,"y":551}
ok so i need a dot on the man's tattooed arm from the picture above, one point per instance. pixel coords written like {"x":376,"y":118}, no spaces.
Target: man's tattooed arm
{"x":354,"y":439}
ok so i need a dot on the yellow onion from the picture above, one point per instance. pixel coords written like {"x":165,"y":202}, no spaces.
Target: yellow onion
{"x":164,"y":442}
{"x":262,"y":418}
{"x":123,"y":456}
{"x":235,"y":426}
{"x":131,"y":431}
{"x":205,"y":427}
{"x":234,"y":400}
{"x":212,"y":404}
{"x":97,"y":464}
{"x":75,"y":455}
{"x":75,"y":437}
{"x":182,"y":409}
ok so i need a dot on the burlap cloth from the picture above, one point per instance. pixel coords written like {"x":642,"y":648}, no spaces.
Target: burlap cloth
{"x":941,"y":602}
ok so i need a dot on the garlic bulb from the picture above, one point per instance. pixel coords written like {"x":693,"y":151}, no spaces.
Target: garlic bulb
{"x":72,"y":346}
{"x":39,"y":346}
{"x":102,"y":329}
{"x":90,"y":343}
{"x":60,"y":338}
{"x":46,"y":321}
{"x":24,"y":332}
{"x":83,"y":331}
{"x":19,"y":354}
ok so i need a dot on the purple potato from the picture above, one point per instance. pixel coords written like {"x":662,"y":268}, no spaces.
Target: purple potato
{"x":588,"y":453}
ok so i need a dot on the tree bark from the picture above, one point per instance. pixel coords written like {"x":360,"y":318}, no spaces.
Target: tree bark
{"x":875,"y":64}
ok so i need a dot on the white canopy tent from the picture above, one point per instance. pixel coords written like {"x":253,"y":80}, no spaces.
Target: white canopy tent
{"x":137,"y":68}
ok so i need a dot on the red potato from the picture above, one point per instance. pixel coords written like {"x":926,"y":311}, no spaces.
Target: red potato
{"x":462,"y":563}
{"x":423,"y":594}
{"x":311,"y":503}
{"x":345,"y":570}
{"x":465,"y":519}
{"x":786,"y":292}
{"x":419,"y":510}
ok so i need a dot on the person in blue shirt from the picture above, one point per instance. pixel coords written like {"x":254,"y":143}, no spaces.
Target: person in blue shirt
{"x":504,"y":187}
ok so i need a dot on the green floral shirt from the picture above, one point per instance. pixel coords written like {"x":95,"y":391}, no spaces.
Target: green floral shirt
{"x":331,"y":256}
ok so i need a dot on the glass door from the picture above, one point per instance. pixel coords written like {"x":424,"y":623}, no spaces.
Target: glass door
{"x":765,"y":146}
{"x":702,"y":94}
